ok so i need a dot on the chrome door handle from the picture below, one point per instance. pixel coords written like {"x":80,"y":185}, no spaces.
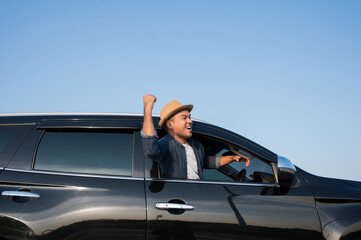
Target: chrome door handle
{"x":170,"y":206}
{"x":10,"y":194}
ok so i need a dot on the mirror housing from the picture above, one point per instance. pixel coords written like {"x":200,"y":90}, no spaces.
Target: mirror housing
{"x":286,"y":171}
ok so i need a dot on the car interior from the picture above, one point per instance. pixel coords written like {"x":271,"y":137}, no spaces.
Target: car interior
{"x":259,"y":170}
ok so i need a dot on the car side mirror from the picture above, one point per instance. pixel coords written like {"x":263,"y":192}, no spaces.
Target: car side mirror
{"x":286,"y":171}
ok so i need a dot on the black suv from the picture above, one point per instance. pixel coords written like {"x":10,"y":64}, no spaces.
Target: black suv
{"x":84,"y":176}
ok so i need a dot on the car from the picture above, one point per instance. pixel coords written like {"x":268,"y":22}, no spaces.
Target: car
{"x":85,"y":176}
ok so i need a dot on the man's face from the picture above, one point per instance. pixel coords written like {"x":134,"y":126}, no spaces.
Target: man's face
{"x":181,"y":125}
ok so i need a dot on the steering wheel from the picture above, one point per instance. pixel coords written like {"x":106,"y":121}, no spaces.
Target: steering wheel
{"x":241,"y":175}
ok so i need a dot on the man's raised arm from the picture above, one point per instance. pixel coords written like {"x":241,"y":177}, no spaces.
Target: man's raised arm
{"x":148,"y":126}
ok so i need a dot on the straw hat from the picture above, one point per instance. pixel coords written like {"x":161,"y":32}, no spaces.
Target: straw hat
{"x":170,"y":109}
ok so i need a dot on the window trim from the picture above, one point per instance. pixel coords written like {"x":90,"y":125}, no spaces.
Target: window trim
{"x":228,"y":143}
{"x":16,"y":124}
{"x":229,"y":136}
{"x":91,"y":175}
{"x":247,"y":184}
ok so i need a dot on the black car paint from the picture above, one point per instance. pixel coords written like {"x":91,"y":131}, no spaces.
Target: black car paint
{"x":72,"y":207}
{"x":82,"y":206}
{"x":338,"y":203}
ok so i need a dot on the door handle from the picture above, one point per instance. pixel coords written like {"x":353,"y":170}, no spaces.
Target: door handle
{"x":10,"y":194}
{"x":174,"y":206}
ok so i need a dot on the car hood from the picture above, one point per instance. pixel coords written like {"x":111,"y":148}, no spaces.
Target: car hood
{"x":332,"y":189}
{"x":352,"y":183}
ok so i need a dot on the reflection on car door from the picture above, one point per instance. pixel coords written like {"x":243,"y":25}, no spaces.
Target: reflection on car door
{"x":230,"y":211}
{"x":72,"y":207}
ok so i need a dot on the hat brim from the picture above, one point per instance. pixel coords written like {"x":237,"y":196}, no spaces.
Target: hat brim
{"x":188,"y":107}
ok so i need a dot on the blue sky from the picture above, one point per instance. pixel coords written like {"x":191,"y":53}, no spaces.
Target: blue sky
{"x":285,"y":74}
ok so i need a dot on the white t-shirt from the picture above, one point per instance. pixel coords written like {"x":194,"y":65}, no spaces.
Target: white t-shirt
{"x":192,"y":167}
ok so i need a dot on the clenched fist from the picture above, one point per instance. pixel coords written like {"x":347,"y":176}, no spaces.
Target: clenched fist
{"x":148,"y":101}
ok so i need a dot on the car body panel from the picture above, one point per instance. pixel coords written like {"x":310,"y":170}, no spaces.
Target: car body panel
{"x":74,"y":207}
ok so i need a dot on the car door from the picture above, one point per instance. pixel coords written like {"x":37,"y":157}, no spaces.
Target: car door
{"x":219,"y":207}
{"x":75,"y":180}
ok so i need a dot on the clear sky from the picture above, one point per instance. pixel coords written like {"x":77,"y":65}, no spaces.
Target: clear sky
{"x":285,"y":74}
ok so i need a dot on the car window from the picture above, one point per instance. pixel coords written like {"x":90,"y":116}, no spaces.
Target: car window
{"x":5,"y":137}
{"x":86,"y":152}
{"x":259,"y":171}
{"x":10,"y":139}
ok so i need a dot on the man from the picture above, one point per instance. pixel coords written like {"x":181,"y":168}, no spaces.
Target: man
{"x":177,"y":153}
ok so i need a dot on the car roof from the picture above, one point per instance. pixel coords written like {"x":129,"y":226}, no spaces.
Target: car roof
{"x":66,"y":114}
{"x":133,"y":118}
{"x":35,"y":117}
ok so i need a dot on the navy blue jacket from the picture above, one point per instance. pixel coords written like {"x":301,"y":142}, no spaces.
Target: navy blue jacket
{"x":170,"y":154}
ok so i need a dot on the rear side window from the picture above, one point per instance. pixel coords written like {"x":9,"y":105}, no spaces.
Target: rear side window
{"x":10,"y":139}
{"x":86,"y":152}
